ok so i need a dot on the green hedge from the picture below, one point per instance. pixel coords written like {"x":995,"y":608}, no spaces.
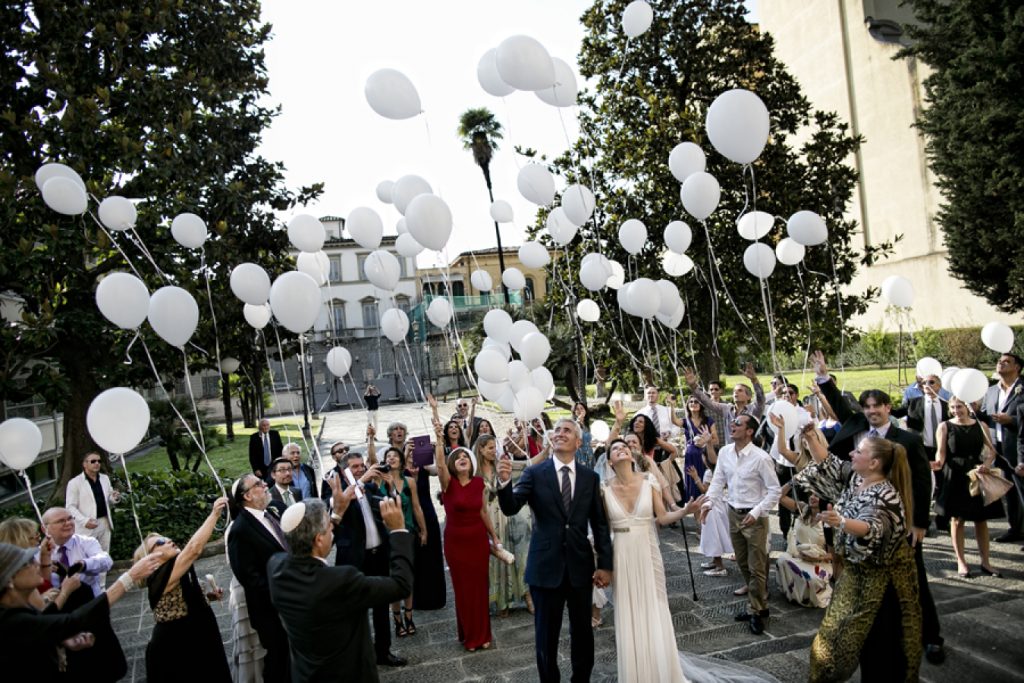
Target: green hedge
{"x":960,"y":346}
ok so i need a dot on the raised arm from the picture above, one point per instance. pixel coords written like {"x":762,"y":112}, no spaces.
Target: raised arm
{"x":758,"y":409}
{"x":443,"y":476}
{"x":432,"y":402}
{"x":666,"y":517}
{"x":829,"y":389}
{"x":620,"y":419}
{"x":371,"y":445}
{"x":718,"y":410}
{"x":670,"y":401}
{"x":781,"y":440}
{"x":194,"y":548}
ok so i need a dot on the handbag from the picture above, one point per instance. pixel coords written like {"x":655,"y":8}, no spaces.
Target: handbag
{"x":991,"y":484}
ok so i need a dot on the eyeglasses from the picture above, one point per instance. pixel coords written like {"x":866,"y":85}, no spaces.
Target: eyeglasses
{"x":259,"y":482}
{"x":340,"y":451}
{"x":930,"y":382}
{"x":91,"y":462}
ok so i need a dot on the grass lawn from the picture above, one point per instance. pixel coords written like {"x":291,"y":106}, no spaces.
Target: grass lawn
{"x":854,"y":380}
{"x":232,"y":457}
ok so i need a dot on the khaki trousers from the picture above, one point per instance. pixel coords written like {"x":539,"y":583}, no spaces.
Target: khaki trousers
{"x":750,"y":544}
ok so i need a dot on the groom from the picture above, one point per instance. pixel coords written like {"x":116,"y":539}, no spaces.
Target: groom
{"x":564,"y":497}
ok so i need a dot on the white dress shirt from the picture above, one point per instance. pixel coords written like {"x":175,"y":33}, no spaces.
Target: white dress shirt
{"x":1004,"y":393}
{"x":665,"y":423}
{"x":261,"y":515}
{"x":572,"y":473}
{"x":87,"y":550}
{"x":750,"y":478}
{"x":930,"y":425}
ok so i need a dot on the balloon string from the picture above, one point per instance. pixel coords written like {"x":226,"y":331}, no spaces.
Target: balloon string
{"x":287,"y":382}
{"x":689,"y":329}
{"x":842,"y":319}
{"x":209,"y":300}
{"x":31,"y":496}
{"x":728,"y":296}
{"x":136,"y":239}
{"x":807,"y":309}
{"x":768,"y":321}
{"x":116,"y":245}
{"x":714,"y":290}
{"x":625,"y":53}
{"x":312,"y":447}
{"x":508,"y":127}
{"x":127,"y":351}
{"x":131,"y":496}
{"x":199,"y":427}
{"x":415,"y":375}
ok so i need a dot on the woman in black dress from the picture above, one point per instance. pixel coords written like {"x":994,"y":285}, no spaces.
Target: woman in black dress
{"x":185,"y":624}
{"x":963,"y":444}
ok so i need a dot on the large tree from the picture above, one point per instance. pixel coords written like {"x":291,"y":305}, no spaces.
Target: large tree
{"x":974,"y":127}
{"x":647,"y":97}
{"x":155,"y":100}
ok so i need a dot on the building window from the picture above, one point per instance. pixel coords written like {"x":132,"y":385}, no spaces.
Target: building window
{"x":370,"y":319}
{"x":528,"y":291}
{"x":458,"y":289}
{"x":338,"y":314}
{"x":361,"y":266}
{"x":402,"y":303}
{"x":335,"y":274}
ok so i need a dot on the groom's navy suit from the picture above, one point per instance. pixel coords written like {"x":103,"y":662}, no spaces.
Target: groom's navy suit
{"x":560,"y":566}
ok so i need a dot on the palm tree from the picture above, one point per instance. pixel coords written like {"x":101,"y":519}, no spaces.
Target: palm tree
{"x":480,"y":132}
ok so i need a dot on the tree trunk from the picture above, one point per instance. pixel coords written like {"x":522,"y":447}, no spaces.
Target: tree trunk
{"x":229,"y":422}
{"x":77,"y":441}
{"x":709,"y":367}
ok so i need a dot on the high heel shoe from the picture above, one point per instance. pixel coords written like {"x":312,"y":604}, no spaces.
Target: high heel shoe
{"x":410,"y":627}
{"x":990,"y":572}
{"x":400,"y":631}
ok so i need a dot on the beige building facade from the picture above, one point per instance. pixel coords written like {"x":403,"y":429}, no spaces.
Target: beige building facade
{"x":460,"y":270}
{"x":841,"y":52}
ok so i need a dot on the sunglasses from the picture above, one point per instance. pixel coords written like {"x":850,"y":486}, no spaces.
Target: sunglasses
{"x":340,"y":451}
{"x":739,"y":422}
{"x":160,"y":541}
{"x":91,"y":462}
{"x":930,"y":382}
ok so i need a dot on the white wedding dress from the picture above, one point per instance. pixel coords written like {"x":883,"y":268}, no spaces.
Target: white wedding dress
{"x":645,"y":640}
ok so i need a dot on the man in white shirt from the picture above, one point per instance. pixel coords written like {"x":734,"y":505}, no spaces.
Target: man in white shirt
{"x":664,"y":418}
{"x":79,"y":555}
{"x":742,"y":395}
{"x":89,"y":498}
{"x":753,"y":490}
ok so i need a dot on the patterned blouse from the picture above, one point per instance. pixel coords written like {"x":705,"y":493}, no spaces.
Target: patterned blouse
{"x":879,"y":505}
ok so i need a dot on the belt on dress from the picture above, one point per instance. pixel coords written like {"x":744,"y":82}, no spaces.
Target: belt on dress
{"x":621,"y":531}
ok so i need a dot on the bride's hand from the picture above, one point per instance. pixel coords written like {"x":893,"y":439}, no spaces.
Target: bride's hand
{"x":602,"y":578}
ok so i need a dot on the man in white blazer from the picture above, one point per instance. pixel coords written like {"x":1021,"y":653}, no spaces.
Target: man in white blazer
{"x":90,"y":498}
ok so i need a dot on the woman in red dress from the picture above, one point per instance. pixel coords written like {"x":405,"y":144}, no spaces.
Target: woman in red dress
{"x":466,"y":531}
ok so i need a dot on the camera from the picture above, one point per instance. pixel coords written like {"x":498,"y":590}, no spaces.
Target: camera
{"x":384,"y":468}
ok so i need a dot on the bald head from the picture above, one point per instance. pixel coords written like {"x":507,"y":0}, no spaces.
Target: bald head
{"x":60,"y":525}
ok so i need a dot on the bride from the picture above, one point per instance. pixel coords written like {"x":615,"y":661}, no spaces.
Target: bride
{"x":645,"y":640}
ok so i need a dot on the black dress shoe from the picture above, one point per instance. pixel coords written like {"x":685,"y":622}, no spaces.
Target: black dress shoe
{"x":935,"y":654}
{"x":1009,"y":537}
{"x":392,"y":660}
{"x":744,"y":616}
{"x":756,"y":624}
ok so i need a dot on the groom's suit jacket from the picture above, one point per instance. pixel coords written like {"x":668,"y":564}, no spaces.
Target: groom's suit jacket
{"x":559,"y":540}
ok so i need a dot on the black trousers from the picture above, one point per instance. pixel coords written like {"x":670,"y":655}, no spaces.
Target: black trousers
{"x":785,"y":475}
{"x":379,"y":564}
{"x":548,"y":605}
{"x":1014,"y":509}
{"x":277,"y":665}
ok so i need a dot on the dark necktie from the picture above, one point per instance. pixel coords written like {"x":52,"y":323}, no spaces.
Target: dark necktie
{"x":935,"y":423}
{"x":266,"y":449}
{"x":566,"y":488}
{"x":278,"y":533}
{"x":873,"y":432}
{"x":654,"y":419}
{"x":64,"y":555}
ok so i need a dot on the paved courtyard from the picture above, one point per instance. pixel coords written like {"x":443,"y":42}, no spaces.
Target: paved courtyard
{"x":981,"y":617}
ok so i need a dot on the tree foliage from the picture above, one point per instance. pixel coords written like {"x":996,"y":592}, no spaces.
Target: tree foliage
{"x":974,"y":126}
{"x":156,"y":100}
{"x":647,"y":97}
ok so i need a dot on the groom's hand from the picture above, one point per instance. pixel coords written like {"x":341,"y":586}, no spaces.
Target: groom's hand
{"x":504,"y":469}
{"x":602,"y":578}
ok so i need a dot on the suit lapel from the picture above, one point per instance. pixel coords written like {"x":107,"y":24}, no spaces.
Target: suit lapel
{"x":582,"y":488}
{"x":556,"y":487}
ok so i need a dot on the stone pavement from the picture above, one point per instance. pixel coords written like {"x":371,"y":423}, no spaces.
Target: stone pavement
{"x":981,"y":617}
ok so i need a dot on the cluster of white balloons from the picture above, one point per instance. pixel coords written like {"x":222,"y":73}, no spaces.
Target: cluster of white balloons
{"x":520,"y":386}
{"x":646,"y":298}
{"x":967,"y":384}
{"x":426,"y":221}
{"x":523,"y":63}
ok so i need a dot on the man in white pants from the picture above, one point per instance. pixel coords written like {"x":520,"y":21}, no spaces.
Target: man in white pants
{"x":89,"y":499}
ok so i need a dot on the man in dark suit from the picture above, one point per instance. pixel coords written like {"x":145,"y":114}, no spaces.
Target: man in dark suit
{"x":466,"y":418}
{"x":362,"y":542}
{"x":564,"y":497}
{"x":999,"y":411}
{"x":282,"y":493}
{"x":874,"y":421}
{"x":924,"y":414}
{"x":314,"y":599}
{"x":252,"y":539}
{"x":264,"y":447}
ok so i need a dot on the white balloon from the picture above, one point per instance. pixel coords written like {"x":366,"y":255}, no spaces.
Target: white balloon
{"x":406,"y":189}
{"x":637,"y":18}
{"x":407,"y":246}
{"x":524,"y":63}
{"x":513,"y":278}
{"x":492,"y":390}
{"x":622,"y":298}
{"x":564,"y":91}
{"x":295,"y":301}
{"x":429,"y":221}
{"x":250,"y":283}
{"x":672,"y":320}
{"x":520,"y":329}
{"x":501,"y":211}
{"x":561,"y":229}
{"x":392,"y":95}
{"x":632,"y":236}
{"x":439,"y":312}
{"x":20,"y":443}
{"x":189,"y":230}
{"x":578,"y":204}
{"x":394,"y":324}
{"x":536,"y":184}
{"x":491,"y":366}
{"x":173,"y":314}
{"x":599,"y":430}
{"x":339,"y":360}
{"x":55,"y":170}
{"x":384,"y":190}
{"x":534,"y":255}
{"x":595,"y":270}
{"x":229,"y":365}
{"x":754,"y":225}
{"x":644,"y":297}
{"x":257,"y":315}
{"x":998,"y":337}
{"x":618,"y":276}
{"x":64,"y":196}
{"x":670,"y":298}
{"x":544,"y":382}
{"x":737,"y":125}
{"x":507,"y":400}
{"x":947,"y":375}
{"x":676,"y":265}
{"x":700,"y":194}
{"x":807,"y":228}
{"x":519,"y":375}
{"x":365,"y":226}
{"x":678,"y":236}
{"x":534,"y":349}
{"x":481,"y":281}
{"x":400,"y":226}
{"x":788,"y":412}
{"x":306,"y":233}
{"x":898,"y":291}
{"x":504,"y":348}
{"x":498,"y":325}
{"x":123,"y":299}
{"x":759,"y":260}
{"x":317,"y":266}
{"x":969,"y":385}
{"x":382,"y":269}
{"x":488,"y":76}
{"x":789,"y":251}
{"x":118,"y":419}
{"x":528,"y":403}
{"x":928,"y":366}
{"x":117,"y":213}
{"x":588,"y":310}
{"x":685,"y":159}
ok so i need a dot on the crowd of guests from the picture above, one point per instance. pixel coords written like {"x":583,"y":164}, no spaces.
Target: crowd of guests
{"x":853,"y":489}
